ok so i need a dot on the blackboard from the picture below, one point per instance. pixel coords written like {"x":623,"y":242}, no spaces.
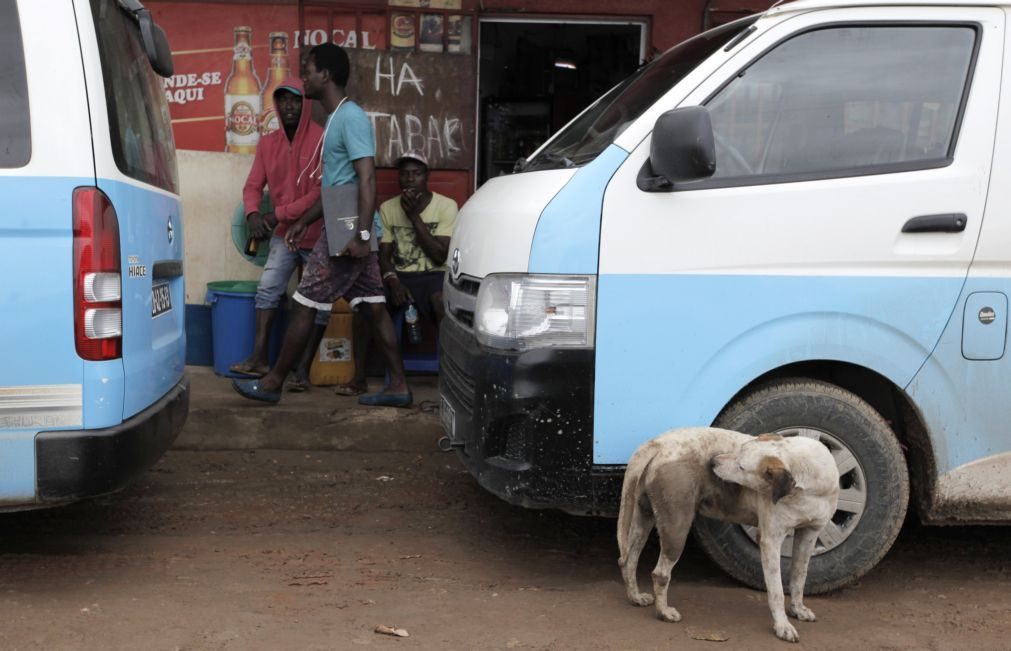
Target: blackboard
{"x":417,"y":100}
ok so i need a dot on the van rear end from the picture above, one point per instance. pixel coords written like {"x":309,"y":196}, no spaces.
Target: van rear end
{"x":93,"y":389}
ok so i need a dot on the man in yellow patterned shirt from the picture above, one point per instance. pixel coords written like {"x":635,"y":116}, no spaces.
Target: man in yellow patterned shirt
{"x":417,"y":225}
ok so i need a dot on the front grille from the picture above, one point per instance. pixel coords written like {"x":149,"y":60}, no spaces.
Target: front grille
{"x":460,"y":295}
{"x":467,"y":285}
{"x":460,"y":384}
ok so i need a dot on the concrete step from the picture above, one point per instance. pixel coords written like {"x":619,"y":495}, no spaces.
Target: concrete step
{"x":318,"y":419}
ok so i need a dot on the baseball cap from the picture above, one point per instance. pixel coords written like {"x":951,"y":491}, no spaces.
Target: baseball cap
{"x":290,"y":89}
{"x":412,"y":154}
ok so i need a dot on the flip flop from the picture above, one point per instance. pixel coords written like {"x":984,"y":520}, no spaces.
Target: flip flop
{"x":244,"y":369}
{"x":297,"y":384}
{"x":383,"y":399}
{"x":350,"y":390}
{"x":251,"y":389}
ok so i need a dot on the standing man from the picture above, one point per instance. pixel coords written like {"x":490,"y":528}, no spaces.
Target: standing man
{"x":280,"y":157}
{"x":348,"y":155}
{"x":417,"y":226}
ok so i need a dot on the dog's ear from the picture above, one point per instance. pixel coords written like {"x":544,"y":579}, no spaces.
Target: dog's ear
{"x":778,"y":477}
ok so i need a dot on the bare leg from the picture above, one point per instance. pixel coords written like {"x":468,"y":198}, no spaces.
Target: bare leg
{"x":803,"y":546}
{"x":305,"y":361}
{"x":641,"y":523}
{"x":382,"y":330}
{"x":771,"y":544}
{"x":257,"y":361}
{"x":295,"y":338}
{"x":361,"y":337}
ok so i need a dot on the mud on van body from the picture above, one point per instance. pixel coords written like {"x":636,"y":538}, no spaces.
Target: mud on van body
{"x":793,"y":223}
{"x":92,"y":389}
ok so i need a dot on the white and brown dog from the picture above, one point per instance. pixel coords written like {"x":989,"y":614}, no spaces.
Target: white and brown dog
{"x":774,"y":483}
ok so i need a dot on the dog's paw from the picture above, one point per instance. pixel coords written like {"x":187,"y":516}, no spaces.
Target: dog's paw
{"x":803,"y":613}
{"x":668,"y":614}
{"x":641,"y":599}
{"x":787,"y":632}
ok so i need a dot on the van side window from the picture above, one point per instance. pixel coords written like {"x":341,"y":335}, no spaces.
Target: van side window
{"x":845,"y":100}
{"x":139,"y":122}
{"x":15,"y":125}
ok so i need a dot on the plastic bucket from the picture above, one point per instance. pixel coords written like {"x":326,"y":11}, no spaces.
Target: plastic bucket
{"x":233,"y":323}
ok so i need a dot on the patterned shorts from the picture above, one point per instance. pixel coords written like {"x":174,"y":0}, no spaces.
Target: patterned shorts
{"x":327,"y":278}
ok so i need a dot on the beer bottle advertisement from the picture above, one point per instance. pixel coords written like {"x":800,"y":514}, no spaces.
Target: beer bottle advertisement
{"x":242,"y":98}
{"x":279,"y":71}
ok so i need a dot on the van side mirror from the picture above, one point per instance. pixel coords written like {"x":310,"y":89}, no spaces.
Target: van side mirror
{"x":682,"y":149}
{"x":156,"y":44}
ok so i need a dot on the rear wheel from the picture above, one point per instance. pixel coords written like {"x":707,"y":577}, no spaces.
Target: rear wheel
{"x":873,"y":478}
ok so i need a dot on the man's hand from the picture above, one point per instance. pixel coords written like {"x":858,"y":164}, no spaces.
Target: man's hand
{"x":399,"y":294}
{"x":270,"y":219}
{"x":358,"y":249}
{"x":257,"y":226}
{"x":295,"y":234}
{"x":410,"y":201}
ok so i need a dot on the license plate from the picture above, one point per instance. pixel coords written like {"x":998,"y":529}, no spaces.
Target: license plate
{"x":448,"y":417}
{"x":161,"y":299}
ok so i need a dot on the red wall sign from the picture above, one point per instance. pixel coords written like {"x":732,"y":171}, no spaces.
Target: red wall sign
{"x":229,"y":58}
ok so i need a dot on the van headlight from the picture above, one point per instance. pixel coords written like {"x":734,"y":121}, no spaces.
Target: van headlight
{"x":522,"y":311}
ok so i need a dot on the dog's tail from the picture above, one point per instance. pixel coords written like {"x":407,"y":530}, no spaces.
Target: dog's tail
{"x":632,"y":497}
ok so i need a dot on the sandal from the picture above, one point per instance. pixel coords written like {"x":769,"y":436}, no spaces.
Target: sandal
{"x":251,"y":389}
{"x":245,"y":369}
{"x":297,"y":384}
{"x":350,"y":389}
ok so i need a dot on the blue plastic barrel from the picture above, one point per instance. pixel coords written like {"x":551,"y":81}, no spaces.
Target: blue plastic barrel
{"x":199,"y":338}
{"x":233,"y":323}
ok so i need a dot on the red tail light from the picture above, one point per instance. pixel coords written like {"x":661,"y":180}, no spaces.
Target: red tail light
{"x":98,"y":306}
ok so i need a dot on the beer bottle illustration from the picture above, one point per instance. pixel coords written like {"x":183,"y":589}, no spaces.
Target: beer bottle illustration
{"x":242,"y":98}
{"x":278,"y":72}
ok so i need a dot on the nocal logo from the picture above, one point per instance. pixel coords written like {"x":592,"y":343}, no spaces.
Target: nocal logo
{"x":242,"y":119}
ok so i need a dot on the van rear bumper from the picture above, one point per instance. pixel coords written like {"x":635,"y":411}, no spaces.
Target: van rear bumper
{"x":72,"y":465}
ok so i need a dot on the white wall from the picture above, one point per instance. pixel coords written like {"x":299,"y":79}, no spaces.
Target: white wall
{"x":211,"y":186}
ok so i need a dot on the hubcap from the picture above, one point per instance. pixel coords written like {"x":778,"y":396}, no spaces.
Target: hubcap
{"x":852,"y":494}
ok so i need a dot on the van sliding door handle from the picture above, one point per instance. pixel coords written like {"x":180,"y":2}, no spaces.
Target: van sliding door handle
{"x":949,"y":223}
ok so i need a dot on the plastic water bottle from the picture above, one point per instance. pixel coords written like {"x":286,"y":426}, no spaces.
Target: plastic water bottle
{"x":413,"y":329}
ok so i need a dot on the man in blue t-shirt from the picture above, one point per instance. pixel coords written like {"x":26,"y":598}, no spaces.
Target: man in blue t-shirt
{"x":348,"y":155}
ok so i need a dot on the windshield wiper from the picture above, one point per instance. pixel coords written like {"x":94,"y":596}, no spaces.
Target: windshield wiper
{"x":551,"y":159}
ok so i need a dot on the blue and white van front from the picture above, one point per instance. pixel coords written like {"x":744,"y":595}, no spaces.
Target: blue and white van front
{"x":518,"y":346}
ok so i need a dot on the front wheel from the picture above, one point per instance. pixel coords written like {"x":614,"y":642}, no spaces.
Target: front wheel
{"x":874,"y":482}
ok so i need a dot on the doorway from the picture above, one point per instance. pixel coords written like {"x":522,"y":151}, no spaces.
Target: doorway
{"x":535,"y":76}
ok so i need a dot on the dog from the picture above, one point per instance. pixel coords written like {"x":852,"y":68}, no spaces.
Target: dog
{"x":774,"y":483}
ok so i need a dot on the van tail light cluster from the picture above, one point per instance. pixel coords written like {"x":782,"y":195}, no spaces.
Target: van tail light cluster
{"x":98,"y":304}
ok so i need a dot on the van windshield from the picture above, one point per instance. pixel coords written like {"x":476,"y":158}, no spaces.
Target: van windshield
{"x":598,"y":126}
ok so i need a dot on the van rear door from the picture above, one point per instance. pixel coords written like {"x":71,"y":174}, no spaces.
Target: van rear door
{"x":135,"y":167}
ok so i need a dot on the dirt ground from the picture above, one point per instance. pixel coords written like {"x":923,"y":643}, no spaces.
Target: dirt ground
{"x":264,"y":549}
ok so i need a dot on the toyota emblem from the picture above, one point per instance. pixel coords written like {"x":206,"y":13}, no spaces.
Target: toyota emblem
{"x":171,"y":232}
{"x":456,"y":263}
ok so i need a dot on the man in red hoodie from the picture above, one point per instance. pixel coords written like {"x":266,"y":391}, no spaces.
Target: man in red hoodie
{"x":282,"y":162}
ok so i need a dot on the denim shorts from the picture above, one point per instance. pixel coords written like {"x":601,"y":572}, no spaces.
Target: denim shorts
{"x":277,"y":272}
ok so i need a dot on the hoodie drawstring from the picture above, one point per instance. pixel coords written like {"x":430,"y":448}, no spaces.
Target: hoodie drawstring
{"x":317,"y":172}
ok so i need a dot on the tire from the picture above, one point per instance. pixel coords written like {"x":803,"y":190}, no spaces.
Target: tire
{"x":874,"y":465}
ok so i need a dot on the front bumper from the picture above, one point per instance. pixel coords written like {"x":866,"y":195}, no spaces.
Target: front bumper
{"x":524,"y":422}
{"x":72,"y":465}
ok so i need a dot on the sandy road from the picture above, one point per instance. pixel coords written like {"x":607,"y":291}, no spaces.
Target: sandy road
{"x":311,"y":550}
